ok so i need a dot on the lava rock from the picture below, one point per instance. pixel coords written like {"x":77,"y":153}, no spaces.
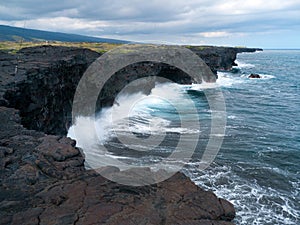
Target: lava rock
{"x":254,"y":75}
{"x":42,"y":177}
{"x":41,"y":185}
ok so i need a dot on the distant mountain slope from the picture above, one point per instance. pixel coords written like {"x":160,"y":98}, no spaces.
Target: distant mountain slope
{"x":8,"y":33}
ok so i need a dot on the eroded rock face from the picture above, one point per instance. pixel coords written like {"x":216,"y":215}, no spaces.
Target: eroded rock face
{"x":220,"y":58}
{"x":139,"y":70}
{"x":42,"y":176}
{"x":43,"y":181}
{"x":41,"y":81}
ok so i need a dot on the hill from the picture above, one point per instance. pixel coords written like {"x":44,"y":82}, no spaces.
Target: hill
{"x":9,"y":33}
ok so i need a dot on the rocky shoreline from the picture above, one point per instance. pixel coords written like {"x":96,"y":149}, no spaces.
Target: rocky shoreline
{"x":43,"y":179}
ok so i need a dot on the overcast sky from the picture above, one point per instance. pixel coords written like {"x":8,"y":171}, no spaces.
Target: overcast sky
{"x":251,"y":23}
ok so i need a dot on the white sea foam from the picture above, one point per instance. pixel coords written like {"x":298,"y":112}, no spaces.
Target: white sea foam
{"x":242,"y":65}
{"x":249,"y":198}
{"x":231,"y":117}
{"x":203,"y":86}
{"x":226,"y":79}
{"x":262,"y":76}
{"x":92,"y":132}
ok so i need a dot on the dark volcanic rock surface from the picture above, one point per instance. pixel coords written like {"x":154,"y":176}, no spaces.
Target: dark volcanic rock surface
{"x":43,"y":181}
{"x":254,"y":75}
{"x":42,"y":176}
{"x":41,"y":81}
{"x":219,"y":58}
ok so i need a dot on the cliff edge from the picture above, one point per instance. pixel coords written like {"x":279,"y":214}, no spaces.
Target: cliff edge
{"x":42,"y":174}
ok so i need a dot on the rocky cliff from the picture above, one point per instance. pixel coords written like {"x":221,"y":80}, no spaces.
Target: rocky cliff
{"x":220,"y":58}
{"x":43,"y":179}
{"x":41,"y":81}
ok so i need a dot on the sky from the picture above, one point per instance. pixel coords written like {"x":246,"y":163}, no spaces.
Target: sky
{"x":250,"y":23}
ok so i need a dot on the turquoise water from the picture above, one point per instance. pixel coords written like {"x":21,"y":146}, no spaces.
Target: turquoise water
{"x":257,"y":167}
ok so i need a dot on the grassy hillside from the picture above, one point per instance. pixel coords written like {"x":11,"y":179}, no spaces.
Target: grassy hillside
{"x":8,"y":33}
{"x":13,"y":46}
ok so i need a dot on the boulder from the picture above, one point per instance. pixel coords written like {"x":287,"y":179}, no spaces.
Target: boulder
{"x":254,"y":75}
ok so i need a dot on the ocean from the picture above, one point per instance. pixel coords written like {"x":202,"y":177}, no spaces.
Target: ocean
{"x":257,"y":167}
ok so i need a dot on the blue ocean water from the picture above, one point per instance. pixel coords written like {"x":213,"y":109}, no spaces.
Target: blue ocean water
{"x":258,"y":165}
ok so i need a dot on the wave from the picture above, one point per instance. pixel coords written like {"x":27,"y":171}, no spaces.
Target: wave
{"x":227,"y":79}
{"x":249,"y":197}
{"x":145,"y":115}
{"x":262,"y":76}
{"x":242,"y":65}
{"x":138,"y":114}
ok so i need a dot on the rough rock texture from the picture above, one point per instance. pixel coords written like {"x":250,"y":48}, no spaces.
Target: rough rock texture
{"x":42,"y":176}
{"x":220,"y":58}
{"x":254,"y":75}
{"x":41,"y":81}
{"x":136,"y":71}
{"x":43,"y":181}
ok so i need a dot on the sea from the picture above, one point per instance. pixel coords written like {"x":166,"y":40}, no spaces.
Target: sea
{"x":257,"y":166}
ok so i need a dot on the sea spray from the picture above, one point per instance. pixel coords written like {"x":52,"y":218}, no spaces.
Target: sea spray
{"x":257,"y":168}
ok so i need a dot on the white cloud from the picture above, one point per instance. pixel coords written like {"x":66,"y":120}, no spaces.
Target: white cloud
{"x":177,"y":20}
{"x":254,"y":6}
{"x":64,"y":24}
{"x":215,"y":34}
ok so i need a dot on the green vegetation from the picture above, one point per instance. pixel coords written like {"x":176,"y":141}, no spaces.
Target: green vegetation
{"x":14,"y":47}
{"x":200,"y":48}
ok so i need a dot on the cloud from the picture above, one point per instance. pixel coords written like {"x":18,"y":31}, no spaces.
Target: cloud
{"x":65,"y":24}
{"x":215,"y":34}
{"x":241,"y":7}
{"x":156,"y":19}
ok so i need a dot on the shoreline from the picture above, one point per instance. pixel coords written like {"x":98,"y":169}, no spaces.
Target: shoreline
{"x":42,"y":173}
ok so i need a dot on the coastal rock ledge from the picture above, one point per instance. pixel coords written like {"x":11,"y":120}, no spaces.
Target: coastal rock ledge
{"x":43,"y":181}
{"x":42,"y":174}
